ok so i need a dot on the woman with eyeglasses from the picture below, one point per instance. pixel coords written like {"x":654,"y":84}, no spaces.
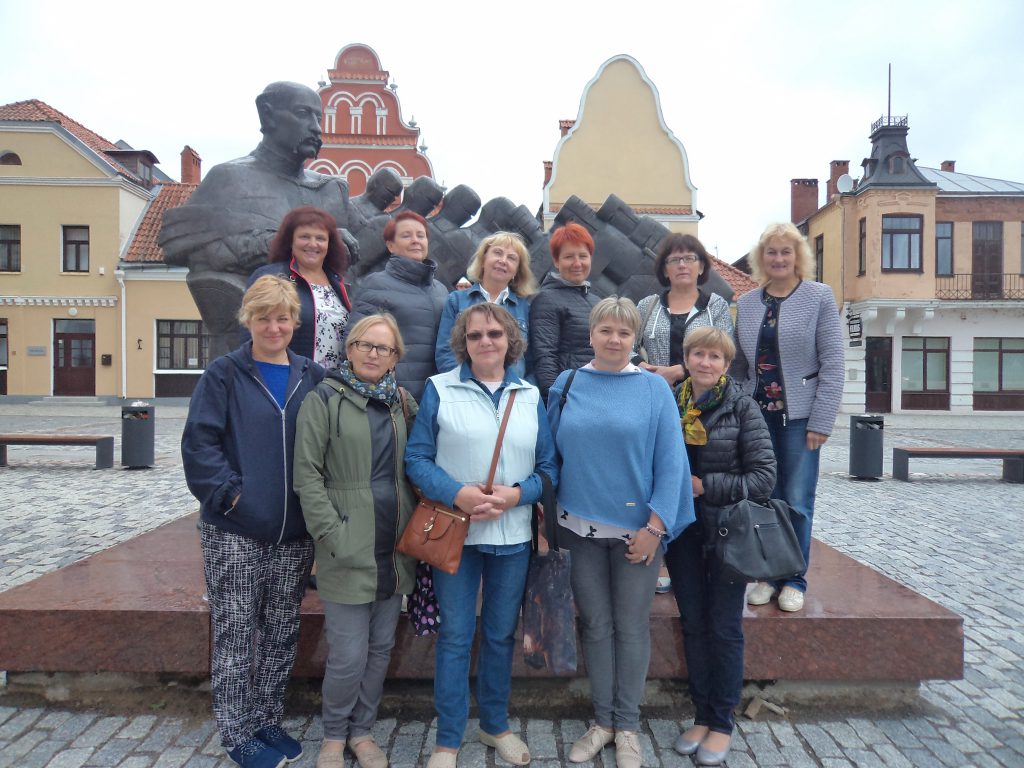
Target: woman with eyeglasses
{"x":682,"y":266}
{"x":448,"y":457}
{"x":350,"y":477}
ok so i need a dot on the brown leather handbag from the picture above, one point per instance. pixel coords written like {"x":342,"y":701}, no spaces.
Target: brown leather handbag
{"x":436,"y":532}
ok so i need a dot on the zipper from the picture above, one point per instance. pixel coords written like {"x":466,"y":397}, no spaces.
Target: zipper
{"x":398,"y":500}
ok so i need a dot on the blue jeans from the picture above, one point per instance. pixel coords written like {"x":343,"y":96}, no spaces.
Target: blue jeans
{"x":504,"y":580}
{"x":796,"y":482}
{"x":711,"y":612}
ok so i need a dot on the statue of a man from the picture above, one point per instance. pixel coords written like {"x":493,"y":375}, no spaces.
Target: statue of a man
{"x":224,"y":231}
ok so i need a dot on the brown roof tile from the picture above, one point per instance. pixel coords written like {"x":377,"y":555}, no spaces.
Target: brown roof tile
{"x":144,"y":248}
{"x":36,"y":111}
{"x":738,"y":280}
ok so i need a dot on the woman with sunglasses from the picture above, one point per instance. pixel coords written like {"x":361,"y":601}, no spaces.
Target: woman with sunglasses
{"x":350,"y":476}
{"x":448,"y":457}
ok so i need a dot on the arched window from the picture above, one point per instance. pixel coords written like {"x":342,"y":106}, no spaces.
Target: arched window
{"x":9,"y":158}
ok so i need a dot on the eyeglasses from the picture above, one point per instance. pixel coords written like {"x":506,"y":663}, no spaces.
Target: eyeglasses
{"x":381,"y":349}
{"x":687,"y":259}
{"x":493,"y":335}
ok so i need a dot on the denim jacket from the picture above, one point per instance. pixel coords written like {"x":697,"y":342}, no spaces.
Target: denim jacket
{"x":459,"y":301}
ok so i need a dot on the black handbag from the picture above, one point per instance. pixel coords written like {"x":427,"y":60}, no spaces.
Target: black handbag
{"x":756,"y":542}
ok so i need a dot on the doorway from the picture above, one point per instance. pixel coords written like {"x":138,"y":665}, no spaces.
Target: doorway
{"x":74,"y":358}
{"x":878,"y":360}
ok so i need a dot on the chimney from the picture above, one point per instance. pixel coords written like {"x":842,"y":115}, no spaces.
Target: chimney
{"x":803,"y":199}
{"x":191,"y":166}
{"x":547,"y":173}
{"x":949,"y":165}
{"x":565,"y":126}
{"x":836,"y":169}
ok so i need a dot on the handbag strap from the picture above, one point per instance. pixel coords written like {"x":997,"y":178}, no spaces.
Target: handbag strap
{"x":489,"y":487}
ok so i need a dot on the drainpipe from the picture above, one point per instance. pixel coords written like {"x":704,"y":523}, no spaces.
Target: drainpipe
{"x":119,"y":274}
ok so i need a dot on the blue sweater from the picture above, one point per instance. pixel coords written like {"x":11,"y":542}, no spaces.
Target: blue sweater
{"x":621,"y":449}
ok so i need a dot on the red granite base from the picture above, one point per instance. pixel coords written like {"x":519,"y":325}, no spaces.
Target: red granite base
{"x":138,"y":607}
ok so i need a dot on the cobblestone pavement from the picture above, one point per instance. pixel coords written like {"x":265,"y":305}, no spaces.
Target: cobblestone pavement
{"x":954,"y":534}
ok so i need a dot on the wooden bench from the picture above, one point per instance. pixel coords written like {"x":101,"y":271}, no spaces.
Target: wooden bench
{"x":104,"y":445}
{"x":1013,"y":460}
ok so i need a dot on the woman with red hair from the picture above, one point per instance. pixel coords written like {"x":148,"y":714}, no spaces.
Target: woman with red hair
{"x":560,"y":313}
{"x":308,"y":251}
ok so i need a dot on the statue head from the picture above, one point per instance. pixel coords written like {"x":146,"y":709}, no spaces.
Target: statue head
{"x":460,"y":204}
{"x":382,"y":188}
{"x":290,"y":115}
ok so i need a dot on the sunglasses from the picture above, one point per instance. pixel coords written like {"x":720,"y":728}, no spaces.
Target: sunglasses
{"x":493,"y":335}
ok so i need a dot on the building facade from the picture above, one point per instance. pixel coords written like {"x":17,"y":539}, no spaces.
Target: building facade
{"x":927,"y":266}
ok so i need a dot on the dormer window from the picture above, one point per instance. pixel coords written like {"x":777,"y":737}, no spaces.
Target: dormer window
{"x":896,"y":165}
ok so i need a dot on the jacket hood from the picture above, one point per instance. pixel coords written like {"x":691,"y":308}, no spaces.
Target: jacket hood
{"x":554,"y":280}
{"x":415,"y":272}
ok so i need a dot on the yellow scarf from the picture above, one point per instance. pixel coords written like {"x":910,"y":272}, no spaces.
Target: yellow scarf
{"x":693,"y":431}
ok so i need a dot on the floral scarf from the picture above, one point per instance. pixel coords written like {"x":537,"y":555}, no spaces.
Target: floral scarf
{"x":385,"y":390}
{"x":693,"y":431}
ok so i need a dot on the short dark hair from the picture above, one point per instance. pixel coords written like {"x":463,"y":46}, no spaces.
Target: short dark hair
{"x":516,"y":344}
{"x":336,"y":259}
{"x":682,"y":243}
{"x":392,"y":225}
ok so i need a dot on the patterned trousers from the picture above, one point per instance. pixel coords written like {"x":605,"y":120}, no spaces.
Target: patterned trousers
{"x":255,"y":590}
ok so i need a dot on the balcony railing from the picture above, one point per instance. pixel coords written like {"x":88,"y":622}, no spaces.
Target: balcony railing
{"x":980,"y":287}
{"x":890,"y":121}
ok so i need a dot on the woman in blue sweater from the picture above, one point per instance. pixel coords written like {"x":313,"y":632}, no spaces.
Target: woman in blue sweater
{"x":621,"y":498}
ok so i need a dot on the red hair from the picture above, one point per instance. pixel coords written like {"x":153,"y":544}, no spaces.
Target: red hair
{"x":571,"y":234}
{"x":336,"y":259}
{"x":392,"y":225}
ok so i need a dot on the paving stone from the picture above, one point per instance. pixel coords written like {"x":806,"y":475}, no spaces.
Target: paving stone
{"x":174,"y":757}
{"x":98,"y":732}
{"x":819,"y":741}
{"x":136,"y":761}
{"x":138,"y":727}
{"x":73,"y":726}
{"x":111,"y":753}
{"x":161,"y":736}
{"x":70,"y":758}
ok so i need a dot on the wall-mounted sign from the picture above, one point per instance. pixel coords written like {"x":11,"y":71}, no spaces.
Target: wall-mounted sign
{"x":36,"y":351}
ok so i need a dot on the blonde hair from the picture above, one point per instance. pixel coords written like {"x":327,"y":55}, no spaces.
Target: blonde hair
{"x":616,"y":308}
{"x":804,"y":266}
{"x":355,"y":333}
{"x":267,"y":294}
{"x":523,"y":282}
{"x":710,"y":337}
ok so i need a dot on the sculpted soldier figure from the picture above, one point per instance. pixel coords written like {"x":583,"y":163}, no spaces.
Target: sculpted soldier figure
{"x":224,"y":231}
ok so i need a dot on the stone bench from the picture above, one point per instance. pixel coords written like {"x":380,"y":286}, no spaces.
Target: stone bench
{"x":104,"y":445}
{"x":1013,"y":460}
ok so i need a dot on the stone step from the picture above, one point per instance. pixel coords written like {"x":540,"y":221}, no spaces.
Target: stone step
{"x":138,"y":607}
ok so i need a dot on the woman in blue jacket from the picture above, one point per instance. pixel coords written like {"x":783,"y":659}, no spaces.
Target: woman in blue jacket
{"x":237,"y":449}
{"x":448,"y":457}
{"x":501,"y":274}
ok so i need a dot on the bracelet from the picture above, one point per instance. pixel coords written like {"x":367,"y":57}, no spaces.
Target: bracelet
{"x":656,"y":532}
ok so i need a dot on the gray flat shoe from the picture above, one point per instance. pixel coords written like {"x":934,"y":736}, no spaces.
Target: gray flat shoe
{"x":684,"y":746}
{"x":706,"y":757}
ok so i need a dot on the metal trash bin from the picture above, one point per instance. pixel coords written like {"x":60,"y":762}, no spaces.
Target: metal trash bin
{"x":138,"y":435}
{"x":866,"y":448}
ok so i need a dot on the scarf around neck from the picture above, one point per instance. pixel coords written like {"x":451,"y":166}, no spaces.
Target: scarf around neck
{"x":693,"y":431}
{"x":384,"y":390}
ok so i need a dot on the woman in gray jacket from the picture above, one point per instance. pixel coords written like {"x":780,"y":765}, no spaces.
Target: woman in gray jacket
{"x":790,"y":354}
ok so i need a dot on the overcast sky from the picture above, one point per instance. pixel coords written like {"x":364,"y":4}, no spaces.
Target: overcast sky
{"x":757,"y":92}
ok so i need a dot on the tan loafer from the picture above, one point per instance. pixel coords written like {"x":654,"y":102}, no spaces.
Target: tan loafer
{"x":332,"y":759}
{"x":443,"y":760}
{"x":590,"y":743}
{"x":627,"y":750}
{"x":510,"y":747}
{"x":367,"y":753}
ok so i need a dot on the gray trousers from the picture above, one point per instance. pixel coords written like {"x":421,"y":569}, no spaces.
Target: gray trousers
{"x":614,"y":599}
{"x":359,"y":643}
{"x":255,"y":590}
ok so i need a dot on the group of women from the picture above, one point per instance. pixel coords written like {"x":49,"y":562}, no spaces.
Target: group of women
{"x":307,"y":441}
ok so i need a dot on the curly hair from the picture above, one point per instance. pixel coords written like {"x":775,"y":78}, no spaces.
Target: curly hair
{"x":336,"y":259}
{"x":804,"y":266}
{"x":516,"y":344}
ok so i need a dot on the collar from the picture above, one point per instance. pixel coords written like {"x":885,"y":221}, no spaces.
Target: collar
{"x":277,"y":161}
{"x":505,"y":297}
{"x":416,"y":272}
{"x":466,"y":375}
{"x":628,"y":368}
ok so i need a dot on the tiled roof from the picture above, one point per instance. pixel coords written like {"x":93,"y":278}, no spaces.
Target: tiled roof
{"x":954,"y":183}
{"x":144,"y":248}
{"x":358,"y":138}
{"x":738,"y":280}
{"x":36,"y":111}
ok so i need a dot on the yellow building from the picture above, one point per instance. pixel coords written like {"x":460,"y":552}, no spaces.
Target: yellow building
{"x":927,"y":265}
{"x":619,"y":144}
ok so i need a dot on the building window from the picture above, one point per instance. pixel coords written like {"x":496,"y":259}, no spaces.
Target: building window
{"x":76,"y":249}
{"x":3,"y":342}
{"x":819,"y":258}
{"x":999,"y":365}
{"x":10,"y":248}
{"x":862,"y":247}
{"x":901,"y":243}
{"x":10,"y":158}
{"x":943,"y":248}
{"x":182,"y":345}
{"x":925,"y":362}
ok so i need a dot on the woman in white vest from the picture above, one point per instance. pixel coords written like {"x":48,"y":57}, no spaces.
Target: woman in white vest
{"x":448,"y":457}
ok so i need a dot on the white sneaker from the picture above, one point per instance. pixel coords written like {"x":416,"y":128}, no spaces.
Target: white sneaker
{"x":791,"y":599}
{"x":761,"y":594}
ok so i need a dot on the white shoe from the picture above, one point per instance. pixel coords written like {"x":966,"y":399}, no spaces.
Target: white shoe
{"x":627,"y":750}
{"x":761,"y":594}
{"x":791,"y":599}
{"x":590,"y":743}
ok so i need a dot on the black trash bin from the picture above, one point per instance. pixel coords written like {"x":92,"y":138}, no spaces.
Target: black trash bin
{"x":866,"y":446}
{"x":138,"y":435}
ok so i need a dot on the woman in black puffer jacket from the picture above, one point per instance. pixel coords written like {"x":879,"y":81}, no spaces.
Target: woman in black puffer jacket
{"x":730,"y":453}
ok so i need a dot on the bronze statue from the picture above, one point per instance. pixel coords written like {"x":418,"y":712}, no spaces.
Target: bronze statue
{"x":224,"y":231}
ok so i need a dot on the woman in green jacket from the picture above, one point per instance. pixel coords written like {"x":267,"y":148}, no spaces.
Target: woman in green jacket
{"x":350,"y":477}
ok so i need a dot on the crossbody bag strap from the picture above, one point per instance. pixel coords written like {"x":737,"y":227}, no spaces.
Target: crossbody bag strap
{"x":489,"y":487}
